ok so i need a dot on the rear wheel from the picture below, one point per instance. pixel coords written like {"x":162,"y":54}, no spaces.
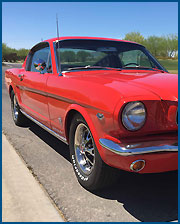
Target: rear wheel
{"x":18,"y":118}
{"x":91,"y":172}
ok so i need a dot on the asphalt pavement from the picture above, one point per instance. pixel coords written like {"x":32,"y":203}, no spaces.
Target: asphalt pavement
{"x":134,"y":198}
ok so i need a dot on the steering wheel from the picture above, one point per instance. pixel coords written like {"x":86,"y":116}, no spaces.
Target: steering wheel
{"x":131,"y":63}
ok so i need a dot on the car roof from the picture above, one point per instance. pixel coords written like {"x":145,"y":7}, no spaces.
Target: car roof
{"x":86,"y":38}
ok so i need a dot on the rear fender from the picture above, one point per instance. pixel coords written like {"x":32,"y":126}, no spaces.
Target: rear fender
{"x":11,"y":77}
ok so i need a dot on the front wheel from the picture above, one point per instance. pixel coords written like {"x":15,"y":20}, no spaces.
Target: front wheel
{"x":91,"y":172}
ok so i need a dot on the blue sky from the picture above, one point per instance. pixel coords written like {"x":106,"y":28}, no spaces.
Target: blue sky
{"x":26,"y":23}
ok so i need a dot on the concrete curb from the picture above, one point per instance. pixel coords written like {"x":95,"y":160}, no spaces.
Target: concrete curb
{"x":23,"y":200}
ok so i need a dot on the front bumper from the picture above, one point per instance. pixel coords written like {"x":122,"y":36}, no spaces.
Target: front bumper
{"x":139,"y":148}
{"x":158,"y":155}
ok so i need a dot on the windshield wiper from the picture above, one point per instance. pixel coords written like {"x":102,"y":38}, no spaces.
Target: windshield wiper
{"x":143,"y":67}
{"x":92,"y":67}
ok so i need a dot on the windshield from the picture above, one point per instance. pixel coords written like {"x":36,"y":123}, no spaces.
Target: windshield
{"x":78,"y":54}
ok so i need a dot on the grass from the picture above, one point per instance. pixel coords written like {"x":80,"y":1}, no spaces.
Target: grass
{"x":170,"y":65}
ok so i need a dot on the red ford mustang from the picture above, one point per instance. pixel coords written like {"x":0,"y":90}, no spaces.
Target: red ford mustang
{"x":110,"y":100}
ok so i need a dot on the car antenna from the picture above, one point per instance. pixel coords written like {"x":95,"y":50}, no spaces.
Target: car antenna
{"x":58,"y":57}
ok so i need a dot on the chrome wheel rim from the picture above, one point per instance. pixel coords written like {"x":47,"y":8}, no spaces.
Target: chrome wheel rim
{"x":15,"y":108}
{"x":84,"y":148}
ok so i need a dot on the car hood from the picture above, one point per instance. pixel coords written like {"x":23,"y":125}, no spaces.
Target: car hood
{"x":130,"y":83}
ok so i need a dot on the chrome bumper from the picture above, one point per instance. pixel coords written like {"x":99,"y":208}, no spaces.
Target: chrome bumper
{"x":139,"y":148}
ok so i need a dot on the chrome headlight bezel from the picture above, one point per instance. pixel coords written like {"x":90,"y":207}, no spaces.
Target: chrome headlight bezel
{"x":129,"y":108}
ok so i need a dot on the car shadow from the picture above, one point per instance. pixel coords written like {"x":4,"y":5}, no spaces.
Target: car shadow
{"x":147,"y":197}
{"x":60,"y":147}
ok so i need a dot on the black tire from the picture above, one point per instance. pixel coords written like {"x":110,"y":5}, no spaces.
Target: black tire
{"x":97,"y":176}
{"x":18,"y":118}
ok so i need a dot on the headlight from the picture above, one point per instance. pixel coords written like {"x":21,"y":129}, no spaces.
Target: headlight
{"x":134,"y":116}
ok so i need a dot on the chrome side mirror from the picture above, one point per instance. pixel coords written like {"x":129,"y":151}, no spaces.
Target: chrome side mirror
{"x":40,"y":65}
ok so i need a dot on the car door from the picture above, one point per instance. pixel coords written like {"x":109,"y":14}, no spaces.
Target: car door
{"x":33,"y":84}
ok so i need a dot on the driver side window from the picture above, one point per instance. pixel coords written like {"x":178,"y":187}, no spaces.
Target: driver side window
{"x":40,"y":52}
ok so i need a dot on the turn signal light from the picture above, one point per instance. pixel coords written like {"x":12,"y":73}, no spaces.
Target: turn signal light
{"x":137,"y":165}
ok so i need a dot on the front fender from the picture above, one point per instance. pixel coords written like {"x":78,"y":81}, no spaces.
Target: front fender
{"x":94,"y":127}
{"x":85,"y":115}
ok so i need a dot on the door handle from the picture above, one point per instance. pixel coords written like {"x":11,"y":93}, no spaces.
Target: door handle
{"x":21,"y":76}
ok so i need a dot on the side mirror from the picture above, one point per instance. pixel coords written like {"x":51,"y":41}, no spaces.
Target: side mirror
{"x":40,"y":65}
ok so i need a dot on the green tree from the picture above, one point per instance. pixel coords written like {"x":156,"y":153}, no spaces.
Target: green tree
{"x":22,"y":53}
{"x":5,"y":51}
{"x":12,"y":54}
{"x":82,"y":56}
{"x":67,"y":56}
{"x":163,"y":50}
{"x":152,"y":43}
{"x":172,"y":44}
{"x":164,"y":46}
{"x":135,"y":37}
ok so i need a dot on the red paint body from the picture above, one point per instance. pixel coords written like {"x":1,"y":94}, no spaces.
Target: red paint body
{"x":104,"y":91}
